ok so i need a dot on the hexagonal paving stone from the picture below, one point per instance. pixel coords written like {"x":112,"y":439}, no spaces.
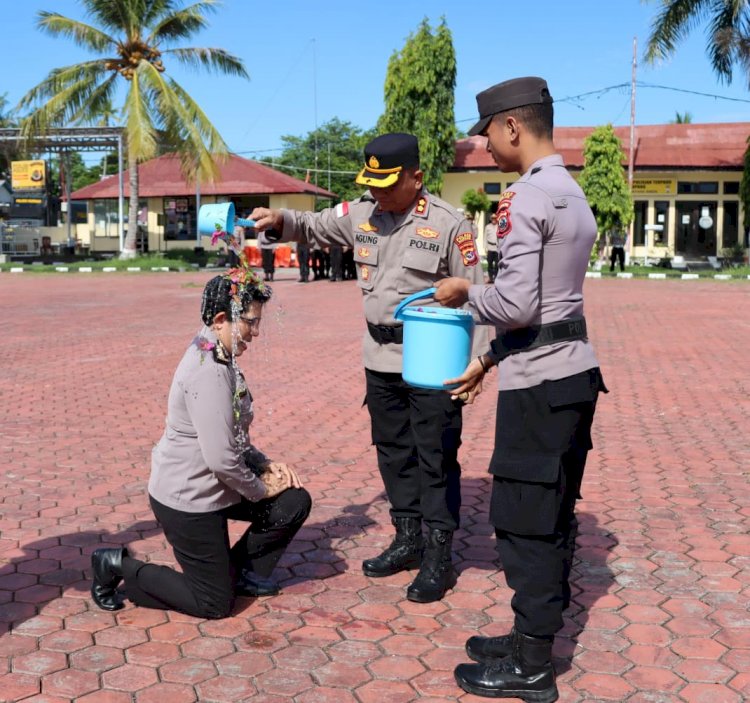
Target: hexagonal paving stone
{"x":166,"y":693}
{"x":284,"y":682}
{"x":66,"y":641}
{"x":396,"y":668}
{"x":14,"y":687}
{"x":129,"y":677}
{"x":72,"y":683}
{"x":188,"y":670}
{"x":97,"y":658}
{"x":153,"y":653}
{"x":225,"y":689}
{"x":247,"y":664}
{"x":40,"y":663}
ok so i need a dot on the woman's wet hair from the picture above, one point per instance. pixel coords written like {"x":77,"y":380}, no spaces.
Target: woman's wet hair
{"x":241,"y":286}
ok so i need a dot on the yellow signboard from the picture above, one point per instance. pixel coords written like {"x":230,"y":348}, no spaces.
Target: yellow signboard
{"x":28,"y":175}
{"x":655,"y":186}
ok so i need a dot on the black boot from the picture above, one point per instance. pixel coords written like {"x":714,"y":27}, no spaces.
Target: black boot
{"x":527,"y":673}
{"x":251,"y":585}
{"x":436,"y":575}
{"x":404,"y":552}
{"x":107,"y":566}
{"x":487,"y":650}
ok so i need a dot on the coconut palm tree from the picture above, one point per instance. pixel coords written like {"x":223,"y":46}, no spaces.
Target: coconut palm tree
{"x":728,"y":32}
{"x":138,"y":36}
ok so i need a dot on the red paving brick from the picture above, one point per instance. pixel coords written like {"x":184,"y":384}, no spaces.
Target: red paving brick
{"x":661,"y":583}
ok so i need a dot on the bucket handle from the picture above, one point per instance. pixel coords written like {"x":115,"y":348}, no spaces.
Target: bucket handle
{"x":242,"y":222}
{"x":428,"y":293}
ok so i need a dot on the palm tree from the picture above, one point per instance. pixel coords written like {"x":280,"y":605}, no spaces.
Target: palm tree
{"x":682,"y":118}
{"x":139,"y":35}
{"x":728,"y":35}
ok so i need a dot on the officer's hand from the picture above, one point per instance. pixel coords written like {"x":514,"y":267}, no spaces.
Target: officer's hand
{"x":267,"y":219}
{"x":452,"y":292}
{"x":470,"y":383}
{"x":284,"y":473}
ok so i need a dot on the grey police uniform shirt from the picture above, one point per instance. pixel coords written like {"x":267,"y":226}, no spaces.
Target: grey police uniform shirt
{"x":490,"y":236}
{"x":545,"y":233}
{"x":395,"y":255}
{"x":197,"y":466}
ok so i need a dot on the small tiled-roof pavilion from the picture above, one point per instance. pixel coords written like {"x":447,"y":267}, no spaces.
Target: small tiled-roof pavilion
{"x":168,"y":200}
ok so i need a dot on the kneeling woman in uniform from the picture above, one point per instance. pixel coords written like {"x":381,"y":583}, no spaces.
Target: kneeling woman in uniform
{"x":205,"y":471}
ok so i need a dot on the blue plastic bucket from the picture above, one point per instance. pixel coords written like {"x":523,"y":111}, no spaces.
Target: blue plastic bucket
{"x":437,"y":342}
{"x":216,"y":215}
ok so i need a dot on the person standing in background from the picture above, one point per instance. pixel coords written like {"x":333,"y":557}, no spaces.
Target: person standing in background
{"x":490,"y":243}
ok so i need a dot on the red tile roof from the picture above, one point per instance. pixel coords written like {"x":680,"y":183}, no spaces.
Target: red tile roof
{"x":665,"y":146}
{"x":162,"y":177}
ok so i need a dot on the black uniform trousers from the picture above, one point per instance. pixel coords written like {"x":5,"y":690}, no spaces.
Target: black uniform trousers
{"x":542,"y":438}
{"x":618,"y":254}
{"x":492,"y":260}
{"x":200,"y":541}
{"x":417,"y":433}
{"x":268,"y":258}
{"x":303,"y":258}
{"x":337,"y":262}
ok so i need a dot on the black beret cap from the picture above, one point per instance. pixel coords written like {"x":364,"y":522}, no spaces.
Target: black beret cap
{"x":508,"y":95}
{"x":386,"y":156}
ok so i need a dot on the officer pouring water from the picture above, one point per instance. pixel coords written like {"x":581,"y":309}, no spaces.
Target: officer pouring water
{"x":404,"y":239}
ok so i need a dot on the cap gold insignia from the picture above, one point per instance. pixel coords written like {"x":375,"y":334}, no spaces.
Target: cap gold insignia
{"x":373,"y":162}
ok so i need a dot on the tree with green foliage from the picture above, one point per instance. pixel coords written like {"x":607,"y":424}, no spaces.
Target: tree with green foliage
{"x":136,"y":37}
{"x":7,"y":149}
{"x":475,"y":201}
{"x":728,"y":32}
{"x":340,"y":154}
{"x":419,"y":98}
{"x":745,"y":193}
{"x":603,"y":180}
{"x":682,"y":118}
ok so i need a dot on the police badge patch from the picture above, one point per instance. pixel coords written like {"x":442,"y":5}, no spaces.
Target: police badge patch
{"x":465,"y":244}
{"x":504,"y":223}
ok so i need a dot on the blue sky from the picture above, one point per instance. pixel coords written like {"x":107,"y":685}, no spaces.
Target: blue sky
{"x":310,"y":62}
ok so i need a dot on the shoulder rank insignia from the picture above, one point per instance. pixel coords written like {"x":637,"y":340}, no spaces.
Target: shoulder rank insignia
{"x":465,"y":244}
{"x":367,"y":227}
{"x":427,"y":233}
{"x":365,"y":273}
{"x":504,"y":223}
{"x":364,"y":252}
{"x":421,"y":207}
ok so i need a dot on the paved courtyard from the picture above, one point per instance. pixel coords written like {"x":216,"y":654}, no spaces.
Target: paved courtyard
{"x":662,"y":580}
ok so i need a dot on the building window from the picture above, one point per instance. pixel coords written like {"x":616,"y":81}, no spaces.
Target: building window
{"x":661,"y":214}
{"x":492,"y":188}
{"x":697,"y":188}
{"x":731,"y":222}
{"x":731,"y":187}
{"x":639,"y":222}
{"x":179,"y":218}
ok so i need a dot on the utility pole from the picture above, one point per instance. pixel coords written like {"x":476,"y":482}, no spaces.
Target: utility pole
{"x":315,"y":116}
{"x":631,"y":158}
{"x":631,"y":150}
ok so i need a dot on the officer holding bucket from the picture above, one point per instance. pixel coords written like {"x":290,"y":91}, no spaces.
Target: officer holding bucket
{"x":549,"y":381}
{"x":404,"y":239}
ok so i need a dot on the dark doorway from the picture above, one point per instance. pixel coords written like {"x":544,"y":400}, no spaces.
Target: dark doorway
{"x":696,"y":229}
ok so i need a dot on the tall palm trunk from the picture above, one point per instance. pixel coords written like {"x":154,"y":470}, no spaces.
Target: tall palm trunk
{"x":129,"y":246}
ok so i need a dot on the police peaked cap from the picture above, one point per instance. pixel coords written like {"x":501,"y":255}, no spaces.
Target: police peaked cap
{"x":386,"y":156}
{"x":516,"y":92}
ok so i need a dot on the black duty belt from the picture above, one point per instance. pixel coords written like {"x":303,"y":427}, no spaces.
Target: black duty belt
{"x":386,"y":334}
{"x":515,"y":341}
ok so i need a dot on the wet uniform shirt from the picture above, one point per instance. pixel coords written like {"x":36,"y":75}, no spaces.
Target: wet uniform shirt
{"x":545,"y":233}
{"x":396,"y":254}
{"x":197,"y":466}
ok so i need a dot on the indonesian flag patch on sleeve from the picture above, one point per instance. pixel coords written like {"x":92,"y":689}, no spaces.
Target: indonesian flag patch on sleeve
{"x":467,"y":247}
{"x":342,"y":209}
